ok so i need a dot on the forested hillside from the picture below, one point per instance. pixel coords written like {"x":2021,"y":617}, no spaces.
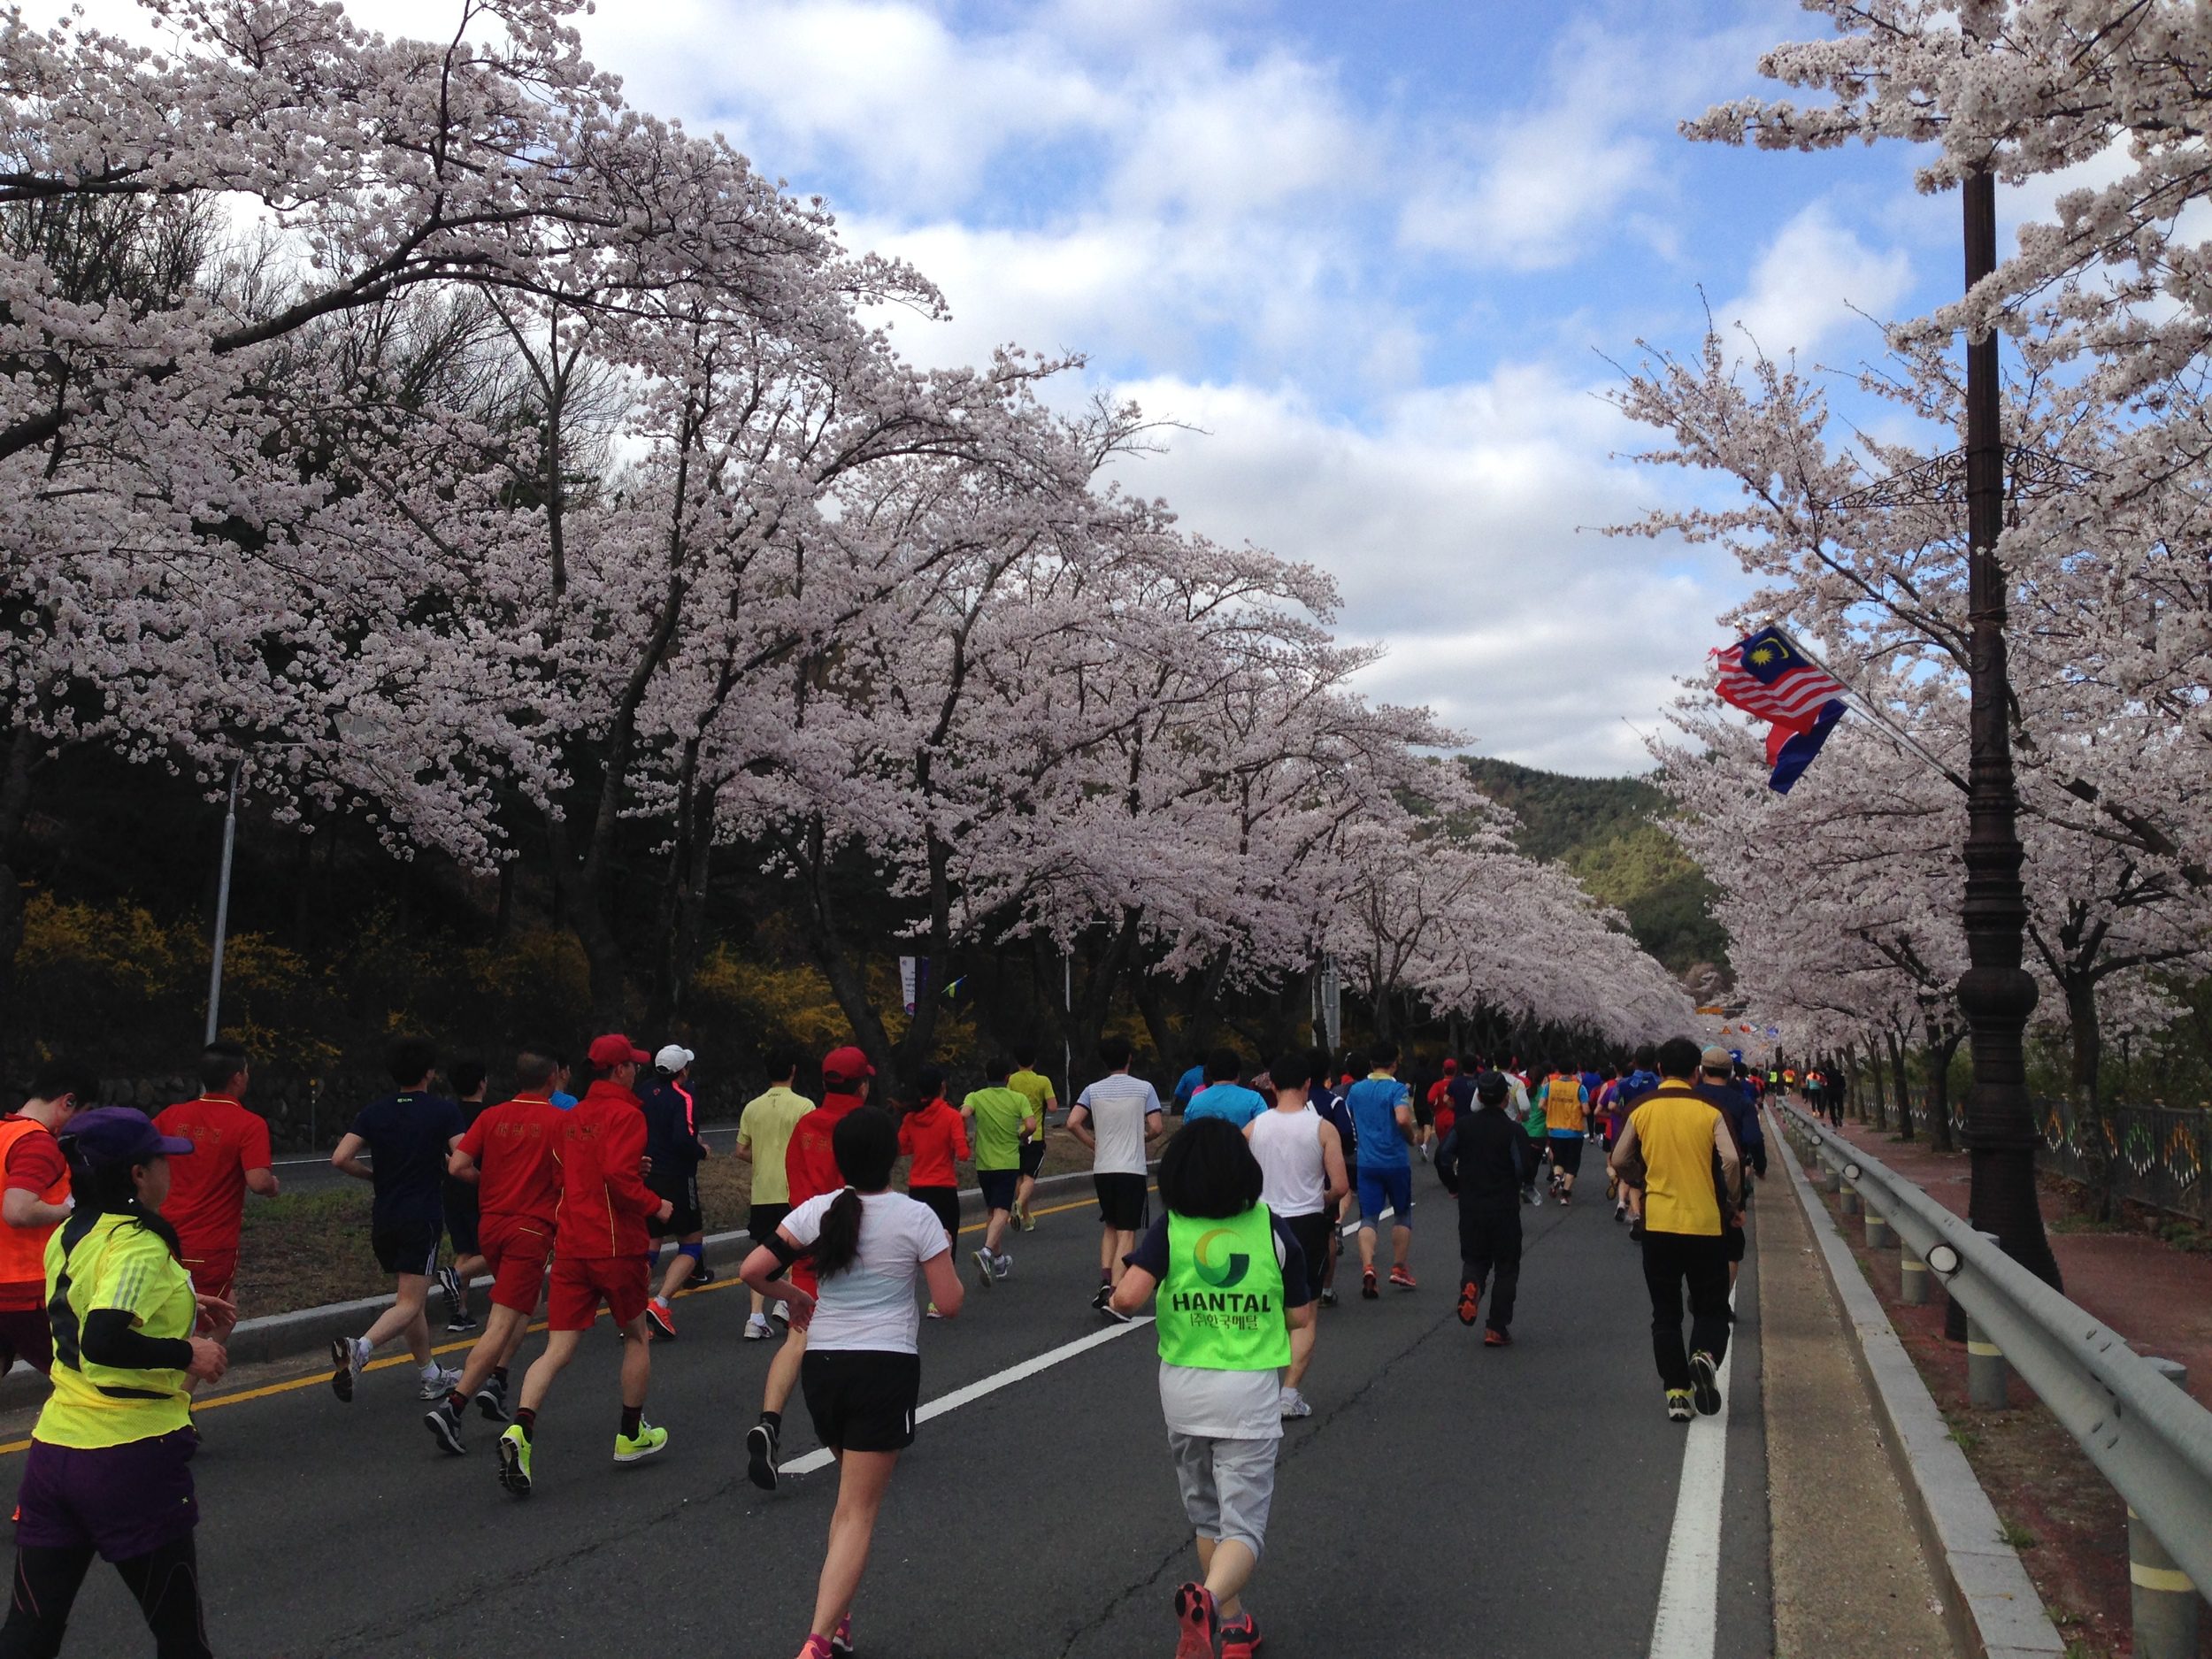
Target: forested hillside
{"x":1601,"y":829}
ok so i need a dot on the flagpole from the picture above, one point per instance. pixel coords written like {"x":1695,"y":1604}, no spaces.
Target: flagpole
{"x":1865,"y":706}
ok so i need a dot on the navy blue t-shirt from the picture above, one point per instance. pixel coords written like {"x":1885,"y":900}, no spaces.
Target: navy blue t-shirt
{"x":408,"y":1136}
{"x":669,"y":1142}
{"x":1330,"y":1105}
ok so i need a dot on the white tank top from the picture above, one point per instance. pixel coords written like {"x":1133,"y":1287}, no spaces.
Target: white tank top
{"x":1294,"y":1180}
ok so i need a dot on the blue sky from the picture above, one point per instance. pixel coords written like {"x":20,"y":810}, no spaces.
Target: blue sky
{"x":1375,"y":253}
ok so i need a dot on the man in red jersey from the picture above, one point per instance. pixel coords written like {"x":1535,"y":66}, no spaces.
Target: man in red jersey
{"x":600,"y":1254}
{"x":207,"y":1191}
{"x":510,"y":1152}
{"x":810,"y":1169}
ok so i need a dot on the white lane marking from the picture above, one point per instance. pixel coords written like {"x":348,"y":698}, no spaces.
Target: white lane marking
{"x":1687,"y":1625}
{"x":974,"y":1391}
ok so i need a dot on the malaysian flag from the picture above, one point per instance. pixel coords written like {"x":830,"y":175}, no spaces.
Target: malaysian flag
{"x":1767,"y":676}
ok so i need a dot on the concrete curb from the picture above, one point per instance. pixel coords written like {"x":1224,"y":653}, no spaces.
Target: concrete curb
{"x":305,"y":1331}
{"x":1993,"y":1607}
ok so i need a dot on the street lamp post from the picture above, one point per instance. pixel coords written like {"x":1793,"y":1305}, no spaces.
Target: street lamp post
{"x":222,"y":912}
{"x":1996,"y":993}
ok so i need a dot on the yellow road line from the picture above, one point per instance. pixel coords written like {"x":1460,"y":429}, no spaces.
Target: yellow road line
{"x":294,"y":1383}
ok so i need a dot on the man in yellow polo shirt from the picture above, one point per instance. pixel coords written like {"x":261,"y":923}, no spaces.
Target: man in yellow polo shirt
{"x":1037,"y":1088}
{"x":1678,"y":1150}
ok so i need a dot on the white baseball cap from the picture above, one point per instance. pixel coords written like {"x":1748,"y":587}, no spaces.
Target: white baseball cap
{"x":673,"y":1058}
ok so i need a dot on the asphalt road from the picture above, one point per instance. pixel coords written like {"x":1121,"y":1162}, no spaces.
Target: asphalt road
{"x":1444,"y":1500}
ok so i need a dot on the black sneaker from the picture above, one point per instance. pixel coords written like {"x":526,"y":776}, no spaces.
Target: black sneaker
{"x":491,"y":1402}
{"x":444,"y":1424}
{"x":1704,"y":1383}
{"x":701,"y":1274}
{"x":1104,"y":1303}
{"x":760,"y":1456}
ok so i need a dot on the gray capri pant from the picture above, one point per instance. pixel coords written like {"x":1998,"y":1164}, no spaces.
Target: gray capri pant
{"x":1227,"y":1485}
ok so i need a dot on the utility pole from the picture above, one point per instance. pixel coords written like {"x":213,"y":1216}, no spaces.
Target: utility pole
{"x":222,"y":913}
{"x":1996,"y":993}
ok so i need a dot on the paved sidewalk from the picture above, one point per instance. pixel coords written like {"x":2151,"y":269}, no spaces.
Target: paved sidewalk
{"x":2158,"y":1297}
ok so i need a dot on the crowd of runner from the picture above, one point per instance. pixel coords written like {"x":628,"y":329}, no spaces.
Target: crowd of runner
{"x":119,"y":1255}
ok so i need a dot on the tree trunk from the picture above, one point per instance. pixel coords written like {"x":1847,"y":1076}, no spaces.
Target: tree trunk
{"x":1939,"y":1091}
{"x":15,"y":805}
{"x":1904,"y":1084}
{"x":2099,"y":1162}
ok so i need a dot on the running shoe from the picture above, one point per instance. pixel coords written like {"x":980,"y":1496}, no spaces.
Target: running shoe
{"x":1295,"y":1404}
{"x":818,"y":1647}
{"x":636,"y":1448}
{"x":1496,"y":1337}
{"x":456,"y":1307}
{"x":758,"y":1329}
{"x":437,"y":1386}
{"x":701,"y":1274}
{"x":1242,"y":1639}
{"x":1104,"y":1303}
{"x":1620,"y":1211}
{"x":931,"y":1312}
{"x":1469,"y":1301}
{"x":662,"y":1318}
{"x":1029,"y":1221}
{"x":1196,"y":1622}
{"x":760,"y":1456}
{"x":1564,"y":1197}
{"x":491,"y":1402}
{"x":1328,"y":1295}
{"x":1004,"y":1266}
{"x":444,"y":1424}
{"x":1367,"y":1291}
{"x":841,"y":1638}
{"x":345,"y":1365}
{"x":514,"y":1461}
{"x":780,"y":1316}
{"x":983,"y":1265}
{"x":1705,"y":1383}
{"x":1636,"y":1230}
{"x":1535,"y":1198}
{"x":1401,"y":1278}
{"x":1678,"y":1407}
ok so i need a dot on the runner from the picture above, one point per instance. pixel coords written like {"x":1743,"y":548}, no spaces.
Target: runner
{"x":510,"y":1155}
{"x":810,"y":1171}
{"x":600,"y":1251}
{"x":1534,"y":1130}
{"x":37,"y":1201}
{"x":1327,"y":1101}
{"x":109,"y":1467}
{"x":1642,"y":1079}
{"x":230,"y":1158}
{"x":1716,"y":1084}
{"x":1456,"y":1095}
{"x":1565,"y":1106}
{"x":1480,"y":1163}
{"x":763,"y":1136}
{"x":1187,"y":1087}
{"x":863,"y":1372}
{"x":1436,"y":1098}
{"x":461,"y":1219}
{"x":936,"y":1137}
{"x":1224,"y":1096}
{"x":672,"y":1153}
{"x":1382,"y":1107}
{"x":998,"y":1117}
{"x":1118,"y":1119}
{"x":1220,"y":1353}
{"x":1026,"y":1080}
{"x":1677,"y":1140}
{"x":410,"y":1135}
{"x":1302,"y":1181}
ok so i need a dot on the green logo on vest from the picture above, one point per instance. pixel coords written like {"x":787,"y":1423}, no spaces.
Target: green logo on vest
{"x":1231,"y":1271}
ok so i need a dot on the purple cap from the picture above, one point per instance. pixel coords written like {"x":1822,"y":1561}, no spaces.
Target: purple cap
{"x":110,"y":1135}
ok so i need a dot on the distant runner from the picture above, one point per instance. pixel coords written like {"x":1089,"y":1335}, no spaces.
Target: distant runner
{"x":672,"y":1153}
{"x":1026,"y":1080}
{"x":230,"y":1159}
{"x":1480,"y":1161}
{"x":1302,"y":1181}
{"x":1383,"y":1109}
{"x":998,"y":1118}
{"x":1118,"y":1119}
{"x":37,"y":1201}
{"x":764,"y":1135}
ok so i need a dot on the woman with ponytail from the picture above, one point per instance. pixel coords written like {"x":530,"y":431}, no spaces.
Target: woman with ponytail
{"x":109,"y":1471}
{"x":862,"y":1375}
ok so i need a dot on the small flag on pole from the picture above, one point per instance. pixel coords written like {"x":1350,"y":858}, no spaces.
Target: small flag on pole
{"x":1766,"y":676}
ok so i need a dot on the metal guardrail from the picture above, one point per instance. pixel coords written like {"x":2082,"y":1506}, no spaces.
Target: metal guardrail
{"x":2147,"y":1437}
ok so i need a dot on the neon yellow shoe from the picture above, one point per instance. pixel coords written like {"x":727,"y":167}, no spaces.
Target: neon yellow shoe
{"x":514,"y":1461}
{"x":637,"y":1448}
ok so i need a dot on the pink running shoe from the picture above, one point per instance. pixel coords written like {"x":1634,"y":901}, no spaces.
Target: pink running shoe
{"x":1196,"y":1622}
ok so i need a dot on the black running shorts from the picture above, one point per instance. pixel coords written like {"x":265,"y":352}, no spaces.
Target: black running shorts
{"x":862,"y":1400}
{"x":1312,"y":1234}
{"x":1120,"y":1201}
{"x":1566,"y":1154}
{"x":407,"y":1247}
{"x":1032,"y":1157}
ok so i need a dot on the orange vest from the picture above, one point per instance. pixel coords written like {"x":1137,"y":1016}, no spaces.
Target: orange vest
{"x":1563,"y":1101}
{"x":23,"y":1249}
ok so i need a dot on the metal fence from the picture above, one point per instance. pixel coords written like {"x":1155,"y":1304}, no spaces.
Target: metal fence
{"x":2149,"y":1437}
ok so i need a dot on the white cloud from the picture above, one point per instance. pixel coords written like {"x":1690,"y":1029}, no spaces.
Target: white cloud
{"x":1813,"y":276}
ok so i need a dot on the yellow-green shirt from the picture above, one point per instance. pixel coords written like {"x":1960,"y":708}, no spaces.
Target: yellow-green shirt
{"x":116,"y":1262}
{"x":765,"y":1130}
{"x":1038,"y":1088}
{"x":998,"y":1112}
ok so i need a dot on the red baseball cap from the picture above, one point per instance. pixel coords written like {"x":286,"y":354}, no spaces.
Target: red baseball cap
{"x":848,"y":1064}
{"x":616,"y":1050}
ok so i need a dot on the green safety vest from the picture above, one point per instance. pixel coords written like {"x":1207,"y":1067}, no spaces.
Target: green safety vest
{"x":1221,"y":1306}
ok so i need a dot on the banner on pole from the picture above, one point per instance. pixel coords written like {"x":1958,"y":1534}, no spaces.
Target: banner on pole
{"x":913,"y":980}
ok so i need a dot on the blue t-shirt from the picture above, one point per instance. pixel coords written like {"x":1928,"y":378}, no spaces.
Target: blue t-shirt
{"x":408,"y":1136}
{"x":564,"y":1101}
{"x":1189,"y":1085}
{"x":1238,"y":1104}
{"x":1374,"y":1102}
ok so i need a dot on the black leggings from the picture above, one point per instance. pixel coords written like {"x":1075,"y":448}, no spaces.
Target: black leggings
{"x":165,"y":1581}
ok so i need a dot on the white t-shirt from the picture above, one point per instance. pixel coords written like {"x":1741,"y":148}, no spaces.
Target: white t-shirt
{"x":870,"y":1305}
{"x":1118,"y":1106}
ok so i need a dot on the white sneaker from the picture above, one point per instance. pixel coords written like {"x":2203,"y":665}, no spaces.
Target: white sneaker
{"x":438,"y":1384}
{"x":1295,"y":1404}
{"x":757,"y":1329}
{"x":1002,"y":1267}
